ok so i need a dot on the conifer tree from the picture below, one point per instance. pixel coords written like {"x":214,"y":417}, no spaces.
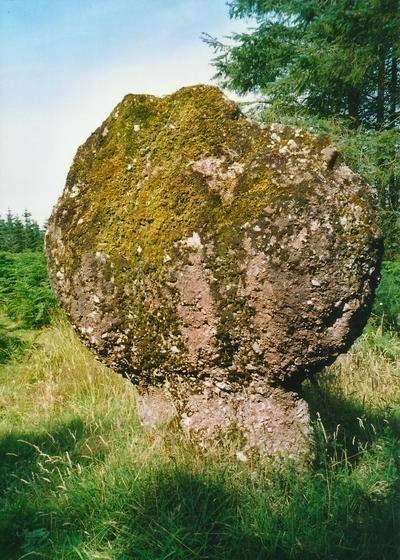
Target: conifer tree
{"x":338,"y":58}
{"x":18,"y":235}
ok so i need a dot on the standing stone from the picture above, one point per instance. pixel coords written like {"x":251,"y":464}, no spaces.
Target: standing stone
{"x":215,"y":262}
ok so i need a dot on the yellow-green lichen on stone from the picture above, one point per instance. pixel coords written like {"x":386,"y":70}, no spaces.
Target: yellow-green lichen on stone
{"x":214,"y":261}
{"x":190,"y":240}
{"x":136,"y":171}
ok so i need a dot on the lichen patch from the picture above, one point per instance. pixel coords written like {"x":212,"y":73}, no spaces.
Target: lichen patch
{"x":193,"y":244}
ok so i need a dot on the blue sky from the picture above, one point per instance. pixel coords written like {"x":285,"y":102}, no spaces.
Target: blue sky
{"x":66,"y":63}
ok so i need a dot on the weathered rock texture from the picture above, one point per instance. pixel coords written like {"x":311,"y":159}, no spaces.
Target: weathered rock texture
{"x":219,"y":259}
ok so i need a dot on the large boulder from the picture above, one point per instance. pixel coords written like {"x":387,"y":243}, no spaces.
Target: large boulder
{"x":214,"y":261}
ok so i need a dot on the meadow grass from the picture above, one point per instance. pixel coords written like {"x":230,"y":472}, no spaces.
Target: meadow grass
{"x":80,"y":479}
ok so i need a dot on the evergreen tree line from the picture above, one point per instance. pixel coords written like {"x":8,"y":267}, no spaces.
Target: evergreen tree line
{"x":20,"y":234}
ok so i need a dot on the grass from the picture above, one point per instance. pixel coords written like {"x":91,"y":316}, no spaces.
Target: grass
{"x":80,"y":479}
{"x":25,"y":293}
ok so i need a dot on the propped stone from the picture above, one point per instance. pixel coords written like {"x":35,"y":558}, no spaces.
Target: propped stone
{"x":194,"y":248}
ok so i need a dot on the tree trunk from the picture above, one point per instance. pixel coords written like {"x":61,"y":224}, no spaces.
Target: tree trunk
{"x":380,"y":99}
{"x":393,"y":93}
{"x":394,"y":184}
{"x":353,"y":104}
{"x":394,"y":193}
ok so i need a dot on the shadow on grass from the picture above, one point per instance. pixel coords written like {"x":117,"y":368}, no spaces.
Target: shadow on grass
{"x":286,"y":517}
{"x":25,"y":460}
{"x":11,"y":346}
{"x":180,"y":514}
{"x":15,"y":342}
{"x":349,"y":426}
{"x":185,"y":510}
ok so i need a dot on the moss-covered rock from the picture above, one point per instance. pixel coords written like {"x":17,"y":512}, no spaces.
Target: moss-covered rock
{"x":193,"y":244}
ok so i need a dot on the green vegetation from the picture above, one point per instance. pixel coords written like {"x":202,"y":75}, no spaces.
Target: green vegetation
{"x":387,"y":302}
{"x":20,"y":234}
{"x":80,"y":479}
{"x":334,"y":58}
{"x":391,"y":227}
{"x":26,"y":299}
{"x":25,"y":293}
{"x":10,"y":344}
